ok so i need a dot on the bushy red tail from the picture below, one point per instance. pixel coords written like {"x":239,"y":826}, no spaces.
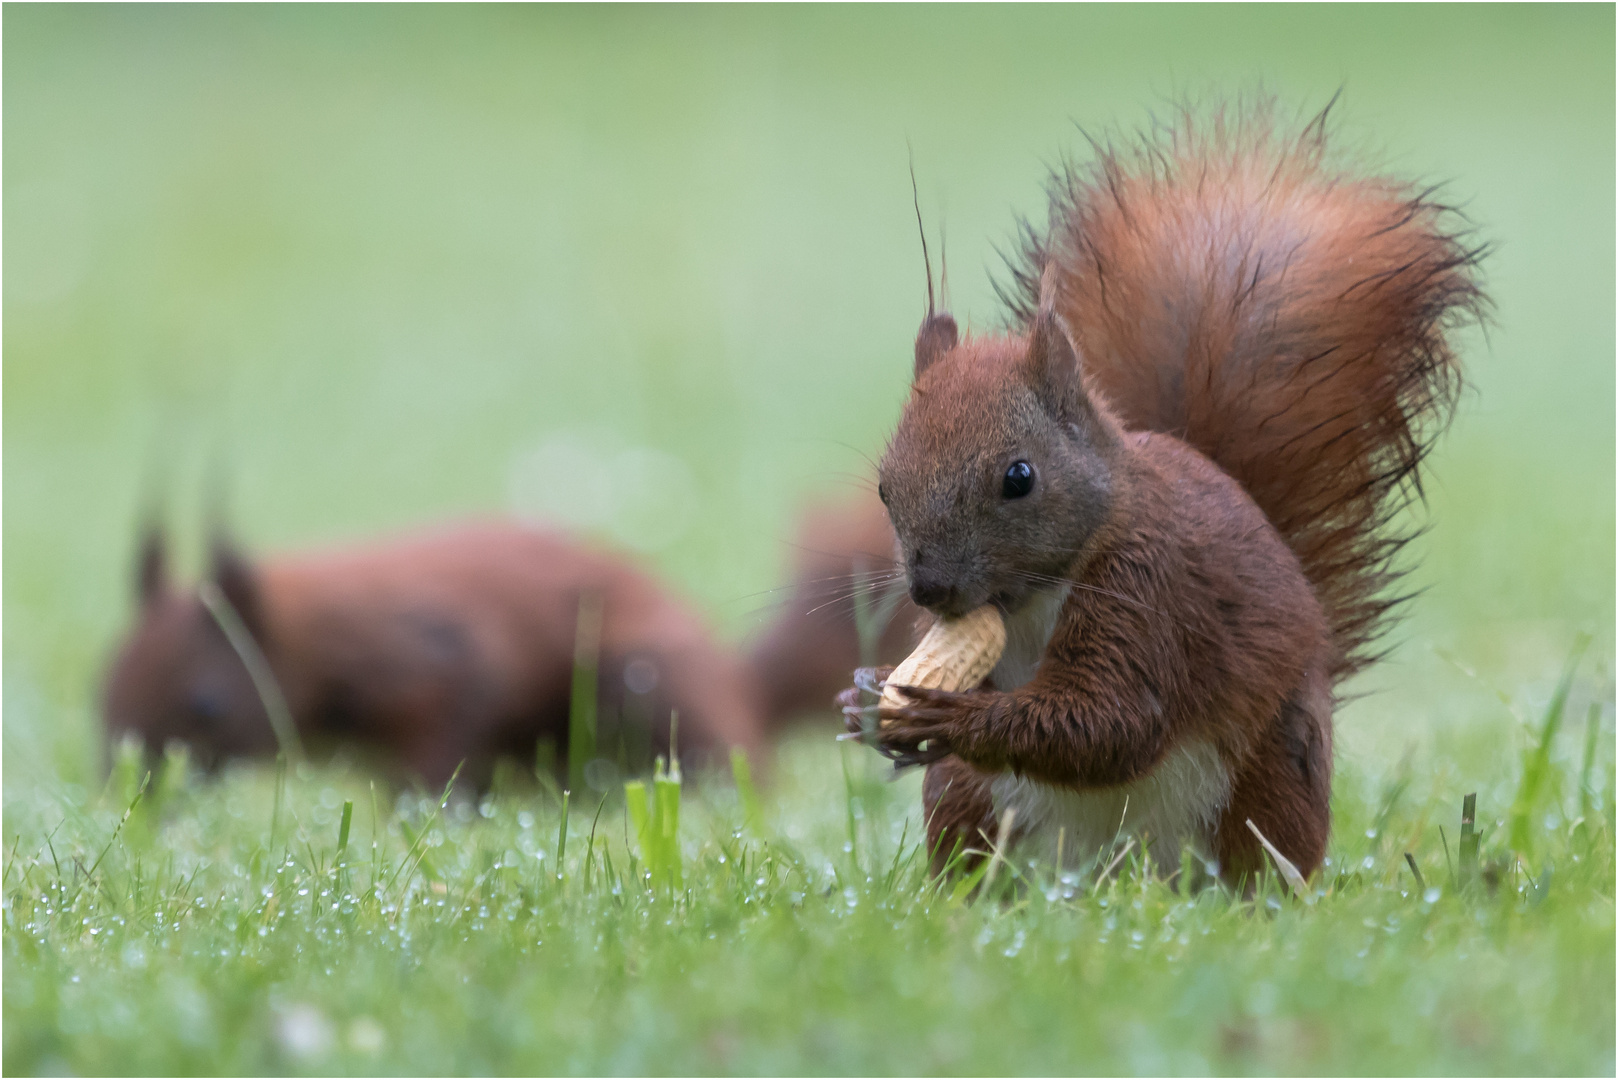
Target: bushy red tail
{"x":1227,"y":284}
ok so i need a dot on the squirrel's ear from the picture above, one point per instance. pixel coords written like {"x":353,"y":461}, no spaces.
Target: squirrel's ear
{"x":1053,"y":366}
{"x":237,"y":580}
{"x":936,"y":337}
{"x":152,"y":568}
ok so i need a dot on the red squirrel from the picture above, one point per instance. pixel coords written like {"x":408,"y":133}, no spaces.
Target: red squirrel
{"x":426,"y":650}
{"x":1176,"y":477}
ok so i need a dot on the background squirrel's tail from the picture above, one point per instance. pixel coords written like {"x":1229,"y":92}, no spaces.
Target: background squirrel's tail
{"x":1227,"y":285}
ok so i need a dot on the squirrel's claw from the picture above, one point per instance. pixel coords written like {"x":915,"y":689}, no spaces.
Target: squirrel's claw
{"x":872,"y":679}
{"x":922,"y":731}
{"x":859,"y":711}
{"x":916,"y":733}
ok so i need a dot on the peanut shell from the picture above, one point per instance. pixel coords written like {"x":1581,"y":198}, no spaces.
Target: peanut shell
{"x":956,"y":654}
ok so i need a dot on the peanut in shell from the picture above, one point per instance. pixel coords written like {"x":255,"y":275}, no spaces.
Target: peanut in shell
{"x":956,"y":654}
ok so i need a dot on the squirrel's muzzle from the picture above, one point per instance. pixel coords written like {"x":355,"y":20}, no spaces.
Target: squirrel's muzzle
{"x":932,"y":592}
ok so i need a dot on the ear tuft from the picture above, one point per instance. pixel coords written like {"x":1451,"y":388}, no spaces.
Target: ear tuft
{"x":152,"y":567}
{"x":936,"y":337}
{"x":238,"y":581}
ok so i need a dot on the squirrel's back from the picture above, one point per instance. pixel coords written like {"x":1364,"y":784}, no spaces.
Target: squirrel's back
{"x":1226,"y":284}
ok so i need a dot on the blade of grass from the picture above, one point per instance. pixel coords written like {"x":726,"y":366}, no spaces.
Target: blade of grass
{"x":561,"y":835}
{"x":11,"y":860}
{"x":1468,"y":853}
{"x":851,"y":817}
{"x":89,"y":874}
{"x":742,"y":771}
{"x":1001,"y":837}
{"x":963,"y":888}
{"x":1392,"y":794}
{"x":342,"y":828}
{"x":280,"y":794}
{"x":1300,"y":887}
{"x":376,"y":847}
{"x":1421,"y":882}
{"x":640,"y":816}
{"x":423,"y":862}
{"x":416,"y":840}
{"x":590,"y":845}
{"x":1536,"y":767}
{"x":581,"y":721}
{"x":898,"y":853}
{"x":871,"y":618}
{"x":1116,"y":859}
{"x":258,"y":668}
{"x":1592,"y":731}
{"x":666,"y":793}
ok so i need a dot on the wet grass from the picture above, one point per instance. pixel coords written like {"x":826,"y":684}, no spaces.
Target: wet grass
{"x":328,"y":927}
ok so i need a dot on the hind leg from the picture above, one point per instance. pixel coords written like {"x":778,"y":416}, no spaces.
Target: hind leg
{"x":1284,"y":788}
{"x":959,"y":810}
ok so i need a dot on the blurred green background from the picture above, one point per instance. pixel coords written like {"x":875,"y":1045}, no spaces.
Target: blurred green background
{"x":655,"y":270}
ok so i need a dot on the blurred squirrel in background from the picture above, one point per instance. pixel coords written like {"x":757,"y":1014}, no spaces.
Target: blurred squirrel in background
{"x":844,"y":569}
{"x":424,"y":651}
{"x":1176,"y":479}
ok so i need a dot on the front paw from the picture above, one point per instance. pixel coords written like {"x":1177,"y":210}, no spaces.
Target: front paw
{"x":925,"y":728}
{"x":858,"y":702}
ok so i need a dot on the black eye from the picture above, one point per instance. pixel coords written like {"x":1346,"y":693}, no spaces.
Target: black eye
{"x":882,"y":493}
{"x":1019,"y":480}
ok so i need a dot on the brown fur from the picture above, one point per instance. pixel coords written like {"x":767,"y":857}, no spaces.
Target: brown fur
{"x":1226,"y":285}
{"x":425,"y":650}
{"x":803,"y":659}
{"x":1231,"y":362}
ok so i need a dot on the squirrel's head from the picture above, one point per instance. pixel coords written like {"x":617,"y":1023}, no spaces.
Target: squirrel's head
{"x":176,"y":676}
{"x":1001,"y":468}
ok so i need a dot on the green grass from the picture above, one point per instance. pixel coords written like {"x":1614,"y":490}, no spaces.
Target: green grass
{"x":211,"y":939}
{"x":376,"y":267}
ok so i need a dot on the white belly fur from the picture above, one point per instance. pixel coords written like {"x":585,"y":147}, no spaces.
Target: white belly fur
{"x":1027,"y":634}
{"x":1176,"y":803}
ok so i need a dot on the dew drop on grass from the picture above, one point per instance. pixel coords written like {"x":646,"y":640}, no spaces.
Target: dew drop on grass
{"x":1432,"y":894}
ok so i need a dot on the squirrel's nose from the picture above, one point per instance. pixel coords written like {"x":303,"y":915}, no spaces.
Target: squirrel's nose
{"x":930,"y":592}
